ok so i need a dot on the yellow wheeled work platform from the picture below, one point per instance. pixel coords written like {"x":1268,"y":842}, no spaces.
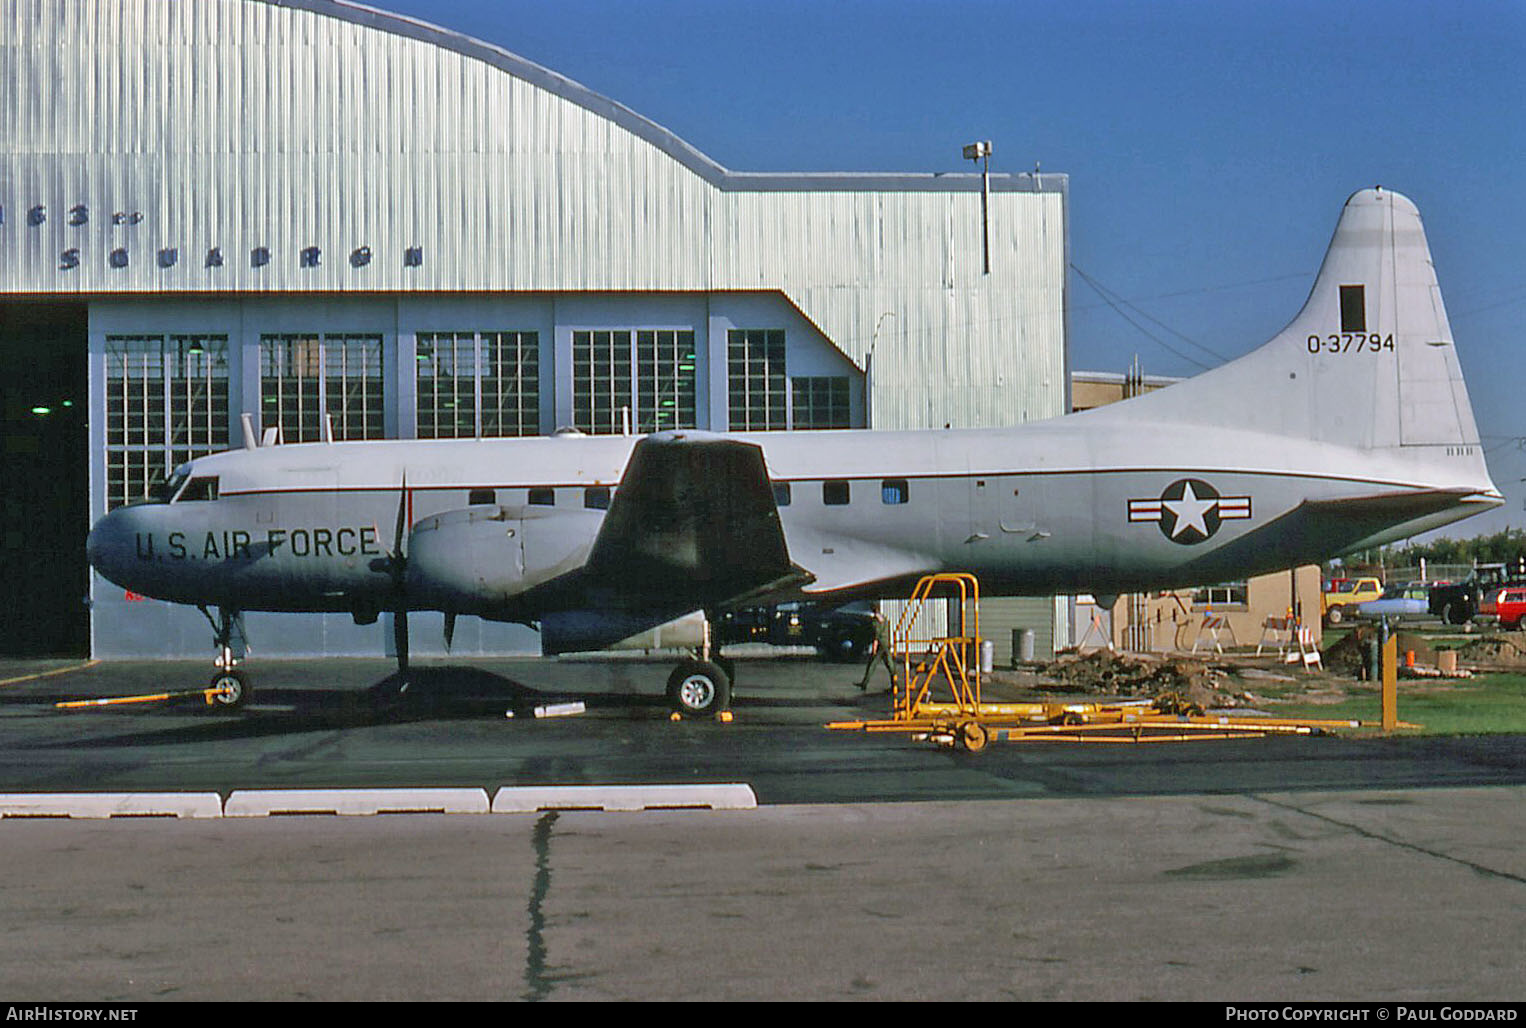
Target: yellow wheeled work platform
{"x":937,"y":697}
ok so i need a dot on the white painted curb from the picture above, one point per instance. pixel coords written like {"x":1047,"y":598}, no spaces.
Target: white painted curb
{"x":111,"y":804}
{"x":265,"y":802}
{"x":530,"y":799}
{"x":269,"y":802}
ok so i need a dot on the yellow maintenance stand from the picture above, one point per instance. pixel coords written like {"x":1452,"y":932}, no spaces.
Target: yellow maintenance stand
{"x":938,"y":697}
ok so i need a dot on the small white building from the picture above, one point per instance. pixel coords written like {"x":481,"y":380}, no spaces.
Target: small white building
{"x":300,"y":208}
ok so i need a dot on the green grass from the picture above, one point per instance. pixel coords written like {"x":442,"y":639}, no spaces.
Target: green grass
{"x":1484,"y":704}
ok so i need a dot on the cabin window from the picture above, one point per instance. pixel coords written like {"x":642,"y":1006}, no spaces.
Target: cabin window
{"x":542,"y":497}
{"x":781,"y":494}
{"x":894,"y":491}
{"x":596,"y":498}
{"x":834,"y":493}
{"x":479,"y":496}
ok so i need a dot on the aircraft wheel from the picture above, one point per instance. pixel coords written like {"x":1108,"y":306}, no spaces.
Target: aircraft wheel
{"x":235,"y":689}
{"x":698,"y":688}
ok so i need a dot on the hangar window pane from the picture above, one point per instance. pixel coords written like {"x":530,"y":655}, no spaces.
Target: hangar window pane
{"x":601,"y":381}
{"x":352,"y":386}
{"x":822,"y":402}
{"x":1227,"y":594}
{"x":666,"y":380}
{"x":756,"y":382}
{"x":305,"y":376}
{"x":477,"y":384}
{"x":447,"y":385}
{"x":650,"y":373}
{"x":166,"y":402}
{"x":510,"y":383}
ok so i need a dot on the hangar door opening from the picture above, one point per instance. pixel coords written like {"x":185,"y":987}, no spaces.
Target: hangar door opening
{"x":44,"y":479}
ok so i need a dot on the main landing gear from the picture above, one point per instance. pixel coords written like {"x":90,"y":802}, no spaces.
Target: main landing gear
{"x":701,"y":687}
{"x":229,"y":687}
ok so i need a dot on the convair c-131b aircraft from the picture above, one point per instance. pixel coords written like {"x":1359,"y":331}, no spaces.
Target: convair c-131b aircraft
{"x":1349,"y":429}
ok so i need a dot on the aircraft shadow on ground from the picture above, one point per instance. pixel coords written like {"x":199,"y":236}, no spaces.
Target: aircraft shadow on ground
{"x":424,"y":694}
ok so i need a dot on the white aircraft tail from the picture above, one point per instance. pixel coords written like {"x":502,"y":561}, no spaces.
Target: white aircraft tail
{"x":1368,"y":362}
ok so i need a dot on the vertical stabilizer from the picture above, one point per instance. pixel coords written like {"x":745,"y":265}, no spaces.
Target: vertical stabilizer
{"x":1369,"y":361}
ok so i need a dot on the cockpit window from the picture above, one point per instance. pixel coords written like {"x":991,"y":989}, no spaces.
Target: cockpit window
{"x":198,"y":489}
{"x":164,"y":492}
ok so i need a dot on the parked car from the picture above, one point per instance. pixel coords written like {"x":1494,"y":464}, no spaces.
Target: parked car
{"x":1410,"y":600}
{"x":1510,"y":607}
{"x":841,"y":634}
{"x":1341,"y":597}
{"x":1457,"y":603}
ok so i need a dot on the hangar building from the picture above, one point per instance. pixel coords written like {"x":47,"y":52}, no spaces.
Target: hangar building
{"x":301,"y":209}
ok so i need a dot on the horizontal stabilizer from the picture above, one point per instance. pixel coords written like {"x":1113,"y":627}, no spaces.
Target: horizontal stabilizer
{"x":1316,"y":529}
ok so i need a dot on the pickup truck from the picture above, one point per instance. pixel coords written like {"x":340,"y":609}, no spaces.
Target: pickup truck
{"x":1457,"y":603}
{"x":1342,"y":596}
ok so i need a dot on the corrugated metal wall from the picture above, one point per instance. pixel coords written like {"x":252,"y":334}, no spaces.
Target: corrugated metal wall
{"x":153,"y":146}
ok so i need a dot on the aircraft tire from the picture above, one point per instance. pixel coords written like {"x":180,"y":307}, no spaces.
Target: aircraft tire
{"x":235,"y":689}
{"x":699,"y":688}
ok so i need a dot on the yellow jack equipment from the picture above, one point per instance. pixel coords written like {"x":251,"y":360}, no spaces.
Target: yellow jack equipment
{"x":938,"y":697}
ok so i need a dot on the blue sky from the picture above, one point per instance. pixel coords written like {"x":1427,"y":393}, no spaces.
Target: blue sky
{"x":1209,"y":145}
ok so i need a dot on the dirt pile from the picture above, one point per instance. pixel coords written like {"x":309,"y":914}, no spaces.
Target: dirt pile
{"x":1107,"y":673}
{"x":1495,"y":651}
{"x":1349,"y":655}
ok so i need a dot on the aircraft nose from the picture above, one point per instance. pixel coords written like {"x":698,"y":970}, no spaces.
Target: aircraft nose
{"x":105,"y":546}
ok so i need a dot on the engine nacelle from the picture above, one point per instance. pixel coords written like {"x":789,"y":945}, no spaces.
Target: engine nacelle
{"x":580,"y":631}
{"x":476,"y":560}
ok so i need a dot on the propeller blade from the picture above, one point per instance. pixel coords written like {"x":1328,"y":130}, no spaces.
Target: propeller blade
{"x":400,"y":638}
{"x":399,"y":566}
{"x":398,"y":556}
{"x":450,"y":630}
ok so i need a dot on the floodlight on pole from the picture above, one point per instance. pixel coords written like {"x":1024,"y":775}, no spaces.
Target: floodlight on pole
{"x":981,"y":151}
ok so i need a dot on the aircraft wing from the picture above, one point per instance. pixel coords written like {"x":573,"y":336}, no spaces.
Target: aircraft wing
{"x":841,"y":563}
{"x":693,"y":521}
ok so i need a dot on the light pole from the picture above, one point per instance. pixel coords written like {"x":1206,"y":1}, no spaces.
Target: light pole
{"x":981,"y":151}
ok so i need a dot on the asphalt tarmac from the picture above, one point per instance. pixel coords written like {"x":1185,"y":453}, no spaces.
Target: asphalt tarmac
{"x":1372,"y":870}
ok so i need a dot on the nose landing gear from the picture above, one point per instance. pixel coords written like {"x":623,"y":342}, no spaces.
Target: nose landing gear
{"x":229,"y":688}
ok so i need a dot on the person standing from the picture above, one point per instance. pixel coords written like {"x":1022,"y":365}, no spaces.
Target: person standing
{"x":879,"y":652}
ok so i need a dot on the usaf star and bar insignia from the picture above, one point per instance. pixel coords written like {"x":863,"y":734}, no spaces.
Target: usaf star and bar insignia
{"x":1189,"y":511}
